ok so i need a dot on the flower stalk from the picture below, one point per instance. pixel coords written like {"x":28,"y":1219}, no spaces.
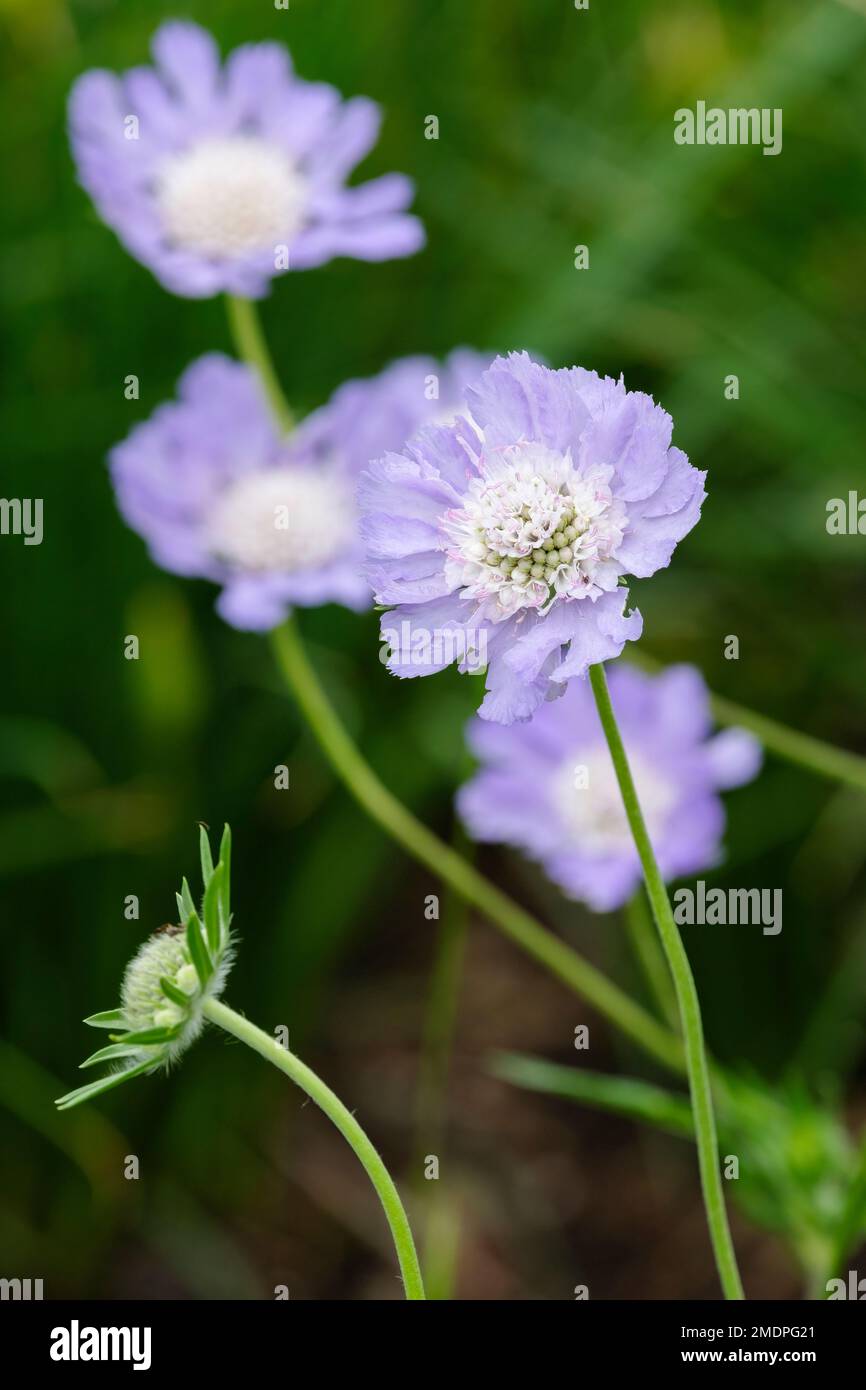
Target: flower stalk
{"x":171,"y":988}
{"x":343,"y":1119}
{"x":516,"y":923}
{"x":246,"y":330}
{"x":687,"y":1000}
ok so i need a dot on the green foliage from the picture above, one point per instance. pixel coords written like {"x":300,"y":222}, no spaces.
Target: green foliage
{"x":797,"y":1172}
{"x":555,"y":129}
{"x":800,"y":1174}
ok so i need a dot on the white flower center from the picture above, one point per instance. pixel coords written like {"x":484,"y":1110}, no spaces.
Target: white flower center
{"x":587,"y":796}
{"x":230,"y":196}
{"x":533,"y":529}
{"x":282,"y":520}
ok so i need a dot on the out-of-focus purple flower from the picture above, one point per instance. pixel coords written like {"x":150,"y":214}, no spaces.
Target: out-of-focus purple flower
{"x":368,"y":416}
{"x":219,"y":178}
{"x":549,"y":787}
{"x":504,"y":538}
{"x":217,"y":493}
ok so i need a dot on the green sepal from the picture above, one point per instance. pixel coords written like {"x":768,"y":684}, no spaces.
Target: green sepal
{"x":108,"y":1019}
{"x":106,"y":1083}
{"x":226,"y":861}
{"x":212,"y":909}
{"x":206,"y":856}
{"x":148,"y":1037}
{"x":109,"y":1054}
{"x":198,"y":950}
{"x":185,"y":902}
{"x":174,"y":992}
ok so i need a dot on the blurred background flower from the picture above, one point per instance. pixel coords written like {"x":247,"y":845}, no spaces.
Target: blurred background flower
{"x":219,"y":493}
{"x":220,"y":179}
{"x":549,"y":787}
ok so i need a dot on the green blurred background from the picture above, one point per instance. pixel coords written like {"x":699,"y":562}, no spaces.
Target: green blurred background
{"x":556,"y":129}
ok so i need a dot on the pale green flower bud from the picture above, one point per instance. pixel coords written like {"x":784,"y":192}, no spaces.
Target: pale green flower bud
{"x":167,"y":983}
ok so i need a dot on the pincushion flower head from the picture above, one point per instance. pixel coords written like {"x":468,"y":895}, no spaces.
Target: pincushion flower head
{"x":219,"y":177}
{"x":504,"y":539}
{"x":549,"y":787}
{"x":167,"y":984}
{"x":217,"y":491}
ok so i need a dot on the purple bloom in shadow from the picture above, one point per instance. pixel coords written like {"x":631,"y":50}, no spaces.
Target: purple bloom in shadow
{"x":219,"y":177}
{"x":217,"y":493}
{"x":503,"y":539}
{"x":549,"y":788}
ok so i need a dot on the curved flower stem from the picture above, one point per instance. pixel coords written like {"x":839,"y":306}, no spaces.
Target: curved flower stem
{"x":426,"y":847}
{"x":345,"y":1122}
{"x":251,"y":346}
{"x":687,"y":1000}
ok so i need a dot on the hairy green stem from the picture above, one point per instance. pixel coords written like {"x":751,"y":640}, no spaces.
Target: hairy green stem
{"x":345,"y":1121}
{"x":520,"y":926}
{"x":687,"y":1000}
{"x":251,"y":346}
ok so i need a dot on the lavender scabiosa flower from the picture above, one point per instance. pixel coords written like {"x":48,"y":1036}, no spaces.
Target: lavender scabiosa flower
{"x":504,"y":538}
{"x":219,"y":178}
{"x":549,"y":787}
{"x":217,"y":492}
